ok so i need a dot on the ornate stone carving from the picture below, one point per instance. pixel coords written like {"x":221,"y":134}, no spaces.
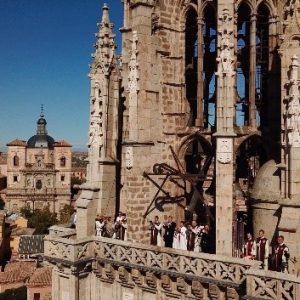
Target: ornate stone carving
{"x":97,"y":268}
{"x":224,"y":150}
{"x":133,"y":66}
{"x":143,"y":2}
{"x":165,"y":282}
{"x":109,"y":272}
{"x":154,"y":22}
{"x":289,"y":11}
{"x":29,"y":182}
{"x":129,"y":157}
{"x":136,"y":277}
{"x":272,"y":285}
{"x":226,"y":57}
{"x":182,"y":285}
{"x":82,"y":251}
{"x":105,"y":45}
{"x":231,"y":294}
{"x":161,"y":261}
{"x":123,"y":274}
{"x":214,"y":292}
{"x":144,"y":263}
{"x":197,"y":289}
{"x":225,"y":72}
{"x":150,"y":280}
{"x":293,"y":105}
{"x":133,"y":89}
{"x":96,"y":119}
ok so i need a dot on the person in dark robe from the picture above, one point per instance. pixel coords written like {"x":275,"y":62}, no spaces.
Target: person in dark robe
{"x":192,"y":237}
{"x":169,"y":229}
{"x":110,"y":228}
{"x":281,"y":256}
{"x":262,"y":249}
{"x":206,"y":240}
{"x":118,"y":226}
{"x":155,"y":232}
{"x":123,"y":228}
{"x":249,"y":247}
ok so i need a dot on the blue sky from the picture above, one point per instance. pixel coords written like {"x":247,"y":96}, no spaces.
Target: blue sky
{"x":45,"y":50}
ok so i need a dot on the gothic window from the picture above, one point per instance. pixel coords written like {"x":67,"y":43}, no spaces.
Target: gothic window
{"x":16,"y":161}
{"x":200,"y":66}
{"x":191,"y":63}
{"x":262,"y":62}
{"x":243,"y":91}
{"x":63,"y":161}
{"x":209,"y":66}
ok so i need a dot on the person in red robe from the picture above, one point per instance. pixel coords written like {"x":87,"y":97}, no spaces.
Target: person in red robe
{"x":156,"y":232}
{"x":281,"y":255}
{"x":262,"y":249}
{"x":192,"y":237}
{"x":249,"y":247}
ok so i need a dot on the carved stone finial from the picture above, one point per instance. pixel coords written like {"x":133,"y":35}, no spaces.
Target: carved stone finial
{"x":105,"y":14}
{"x":293,"y":106}
{"x":105,"y":45}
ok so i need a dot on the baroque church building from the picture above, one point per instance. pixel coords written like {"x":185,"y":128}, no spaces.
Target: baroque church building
{"x":198,"y":119}
{"x":38,"y":172}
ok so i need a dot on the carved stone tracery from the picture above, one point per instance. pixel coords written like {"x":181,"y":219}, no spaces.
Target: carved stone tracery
{"x":133,"y":88}
{"x":293,"y":105}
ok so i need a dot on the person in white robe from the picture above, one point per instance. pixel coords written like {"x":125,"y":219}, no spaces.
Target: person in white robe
{"x":100,"y":223}
{"x":181,"y":237}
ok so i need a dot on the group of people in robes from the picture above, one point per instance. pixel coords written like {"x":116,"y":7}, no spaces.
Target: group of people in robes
{"x":259,"y":249}
{"x":190,"y":236}
{"x":106,"y":227}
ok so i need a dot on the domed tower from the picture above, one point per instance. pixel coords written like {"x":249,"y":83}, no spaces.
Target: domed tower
{"x":41,"y":139}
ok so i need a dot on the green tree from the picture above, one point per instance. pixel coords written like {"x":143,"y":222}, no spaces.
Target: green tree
{"x":42,"y":219}
{"x":13,"y":294}
{"x":76,"y":180}
{"x":65,"y":214}
{"x":26,"y":212}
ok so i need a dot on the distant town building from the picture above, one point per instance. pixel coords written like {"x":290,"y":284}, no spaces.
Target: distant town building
{"x":79,"y":163}
{"x":38,"y":171}
{"x":16,"y":274}
{"x":3,"y":174}
{"x":3,"y":164}
{"x":39,"y":284}
{"x":79,"y":173}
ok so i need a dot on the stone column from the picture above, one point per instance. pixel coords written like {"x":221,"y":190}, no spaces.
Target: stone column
{"x":199,"y":120}
{"x":252,"y":77}
{"x":224,"y":135}
{"x":289,"y":225}
{"x":98,"y":194}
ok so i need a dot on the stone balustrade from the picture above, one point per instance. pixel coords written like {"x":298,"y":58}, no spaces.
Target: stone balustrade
{"x":272,"y":285}
{"x":190,"y":265}
{"x":69,"y":251}
{"x":201,"y":274}
{"x":64,"y":232}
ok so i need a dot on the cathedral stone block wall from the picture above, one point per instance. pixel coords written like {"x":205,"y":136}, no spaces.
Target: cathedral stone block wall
{"x":197,"y":119}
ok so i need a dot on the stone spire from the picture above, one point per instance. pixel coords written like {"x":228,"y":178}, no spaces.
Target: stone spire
{"x":98,"y":193}
{"x":105,"y":44}
{"x":104,"y":61}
